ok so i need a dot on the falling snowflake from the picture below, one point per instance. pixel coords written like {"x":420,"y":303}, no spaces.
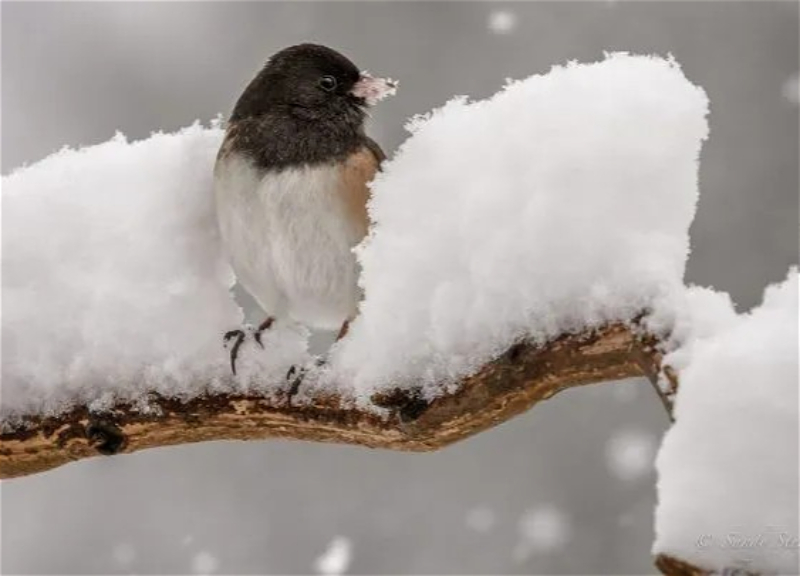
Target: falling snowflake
{"x":630,"y":454}
{"x":480,"y":519}
{"x":627,"y":390}
{"x":336,"y":559}
{"x":541,"y":529}
{"x":204,"y":563}
{"x":124,"y":554}
{"x":502,"y":22}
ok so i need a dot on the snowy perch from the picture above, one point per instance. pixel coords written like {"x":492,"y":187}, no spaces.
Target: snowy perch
{"x":504,"y":388}
{"x":520,"y":246}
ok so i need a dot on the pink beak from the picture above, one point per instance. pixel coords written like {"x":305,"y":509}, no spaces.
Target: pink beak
{"x":372,"y":89}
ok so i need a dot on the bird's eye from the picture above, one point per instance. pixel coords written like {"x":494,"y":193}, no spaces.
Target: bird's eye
{"x":328,"y":83}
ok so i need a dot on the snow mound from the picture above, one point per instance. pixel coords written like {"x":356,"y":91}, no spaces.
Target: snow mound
{"x":728,"y":467}
{"x":562,"y":202}
{"x":114,"y":281}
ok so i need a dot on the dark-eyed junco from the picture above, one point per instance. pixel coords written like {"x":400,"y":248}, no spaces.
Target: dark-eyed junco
{"x":291,"y":186}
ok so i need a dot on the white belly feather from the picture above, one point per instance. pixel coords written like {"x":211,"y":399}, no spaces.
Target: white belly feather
{"x":289,"y":240}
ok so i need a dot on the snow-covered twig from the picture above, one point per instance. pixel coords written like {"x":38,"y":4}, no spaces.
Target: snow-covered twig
{"x":513,"y":383}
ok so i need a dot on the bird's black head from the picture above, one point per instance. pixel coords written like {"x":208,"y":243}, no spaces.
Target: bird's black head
{"x":307,"y":80}
{"x":307,"y":105}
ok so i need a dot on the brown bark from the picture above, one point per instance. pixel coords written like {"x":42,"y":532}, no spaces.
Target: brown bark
{"x":511,"y":384}
{"x":508,"y":386}
{"x":672,"y":566}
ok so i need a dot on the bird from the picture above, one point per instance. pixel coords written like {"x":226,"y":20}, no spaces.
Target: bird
{"x":291,"y":188}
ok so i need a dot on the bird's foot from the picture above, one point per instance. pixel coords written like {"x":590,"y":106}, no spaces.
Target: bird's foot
{"x":263,"y":327}
{"x":238,"y":336}
{"x":295,"y":376}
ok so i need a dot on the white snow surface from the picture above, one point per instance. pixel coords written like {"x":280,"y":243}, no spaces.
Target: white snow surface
{"x":728,"y":467}
{"x":114,"y":281}
{"x":560,"y":203}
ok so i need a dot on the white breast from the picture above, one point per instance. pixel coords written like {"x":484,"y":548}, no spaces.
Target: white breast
{"x":290,"y":240}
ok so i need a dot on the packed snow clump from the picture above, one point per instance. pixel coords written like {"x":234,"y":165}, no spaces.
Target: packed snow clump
{"x":114,"y":281}
{"x":728,"y":467}
{"x":561,"y":203}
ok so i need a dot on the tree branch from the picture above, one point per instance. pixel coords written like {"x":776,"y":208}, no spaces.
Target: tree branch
{"x":508,"y":386}
{"x":672,"y":566}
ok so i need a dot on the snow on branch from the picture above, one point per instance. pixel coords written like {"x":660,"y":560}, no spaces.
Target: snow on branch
{"x":520,"y":245}
{"x":728,"y":468}
{"x":505,"y":387}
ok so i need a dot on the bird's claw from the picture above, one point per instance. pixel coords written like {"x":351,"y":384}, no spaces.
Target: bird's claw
{"x":295,"y":376}
{"x":257,"y":338}
{"x":265,"y":325}
{"x":238,"y":336}
{"x":230,"y":334}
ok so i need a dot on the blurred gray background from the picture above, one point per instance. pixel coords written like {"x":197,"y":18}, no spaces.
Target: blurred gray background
{"x":568,"y":488}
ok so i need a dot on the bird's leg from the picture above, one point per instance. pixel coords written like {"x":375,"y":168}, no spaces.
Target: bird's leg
{"x":343,"y":330}
{"x":265,"y":325}
{"x":238,"y":337}
{"x":295,"y":375}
